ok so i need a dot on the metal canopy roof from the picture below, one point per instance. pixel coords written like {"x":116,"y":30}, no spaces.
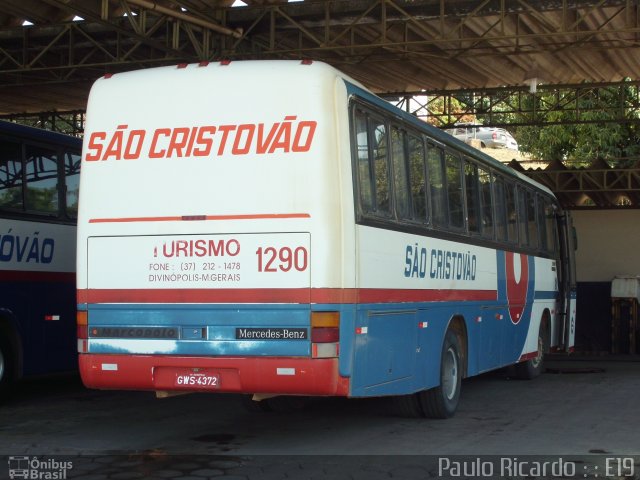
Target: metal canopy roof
{"x":388,"y":45}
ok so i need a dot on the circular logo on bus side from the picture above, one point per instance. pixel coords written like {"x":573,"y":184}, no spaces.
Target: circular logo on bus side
{"x":517,"y":270}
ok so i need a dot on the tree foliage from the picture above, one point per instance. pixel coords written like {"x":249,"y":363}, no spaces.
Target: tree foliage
{"x":457,"y":111}
{"x":601,"y":135}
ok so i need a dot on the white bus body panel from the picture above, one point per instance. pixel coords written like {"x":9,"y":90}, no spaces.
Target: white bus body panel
{"x":177,"y":185}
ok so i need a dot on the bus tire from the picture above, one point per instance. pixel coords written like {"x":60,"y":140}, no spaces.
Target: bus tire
{"x":530,"y":369}
{"x":6,"y":365}
{"x":407,"y":406}
{"x":442,"y":401}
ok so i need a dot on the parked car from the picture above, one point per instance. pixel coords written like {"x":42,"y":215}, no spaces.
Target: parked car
{"x":490,"y":137}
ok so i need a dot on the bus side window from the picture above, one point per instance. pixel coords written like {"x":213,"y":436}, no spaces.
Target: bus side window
{"x":400,"y":180}
{"x":417,"y":179}
{"x":41,"y":167}
{"x":472,"y":188}
{"x":541,"y":225}
{"x":531,"y":216}
{"x":363,"y":162}
{"x":523,"y":222}
{"x":484,"y":178}
{"x":501,"y":209}
{"x":512,"y":216}
{"x":454,"y":191}
{"x":379,"y":144}
{"x":10,"y":175}
{"x":437,"y":192}
{"x":550,"y":227}
{"x":72,"y":182}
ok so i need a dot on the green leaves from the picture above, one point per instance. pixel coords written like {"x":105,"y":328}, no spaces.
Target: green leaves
{"x":587,"y":127}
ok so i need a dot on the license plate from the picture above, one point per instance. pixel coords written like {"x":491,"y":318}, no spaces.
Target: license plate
{"x":202,"y":380}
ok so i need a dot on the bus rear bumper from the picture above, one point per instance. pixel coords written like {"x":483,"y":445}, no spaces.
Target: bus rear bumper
{"x":274,"y":375}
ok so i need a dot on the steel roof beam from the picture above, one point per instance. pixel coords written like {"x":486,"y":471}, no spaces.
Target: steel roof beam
{"x":491,"y":104}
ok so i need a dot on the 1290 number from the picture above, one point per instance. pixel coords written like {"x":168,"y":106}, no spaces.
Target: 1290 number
{"x":271,"y":259}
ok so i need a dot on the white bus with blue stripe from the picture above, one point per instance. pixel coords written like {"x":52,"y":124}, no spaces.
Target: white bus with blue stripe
{"x":273,"y":228}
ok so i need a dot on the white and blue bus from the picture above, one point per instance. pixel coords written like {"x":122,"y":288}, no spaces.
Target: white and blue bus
{"x":273,"y":228}
{"x":39,"y":179}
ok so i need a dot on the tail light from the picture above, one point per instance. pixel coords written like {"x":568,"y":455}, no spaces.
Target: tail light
{"x":325,"y":334}
{"x":82,"y":330}
{"x":494,"y":135}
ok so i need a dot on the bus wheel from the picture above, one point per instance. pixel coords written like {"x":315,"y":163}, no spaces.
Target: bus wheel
{"x":442,"y":401}
{"x":530,"y":369}
{"x":5,"y":366}
{"x":407,"y":406}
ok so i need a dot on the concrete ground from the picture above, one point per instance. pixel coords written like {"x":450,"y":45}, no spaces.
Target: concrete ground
{"x":586,"y":410}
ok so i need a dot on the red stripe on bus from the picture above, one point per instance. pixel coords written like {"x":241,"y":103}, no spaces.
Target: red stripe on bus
{"x":372,"y":295}
{"x":387,"y":295}
{"x":528,"y":356}
{"x":256,"y":216}
{"x":280,"y":295}
{"x":203,"y":295}
{"x":33,"y":276}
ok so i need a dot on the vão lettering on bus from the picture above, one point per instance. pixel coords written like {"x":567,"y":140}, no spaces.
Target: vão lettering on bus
{"x":290,"y":135}
{"x":17,"y":248}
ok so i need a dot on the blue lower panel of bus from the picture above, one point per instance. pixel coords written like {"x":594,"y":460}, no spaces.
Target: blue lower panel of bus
{"x":41,"y":316}
{"x":385,"y":348}
{"x":399,"y":349}
{"x":394,"y":349}
{"x":200,"y":330}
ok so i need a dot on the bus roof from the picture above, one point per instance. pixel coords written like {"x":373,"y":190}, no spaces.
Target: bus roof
{"x":291,"y":71}
{"x":23,"y":131}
